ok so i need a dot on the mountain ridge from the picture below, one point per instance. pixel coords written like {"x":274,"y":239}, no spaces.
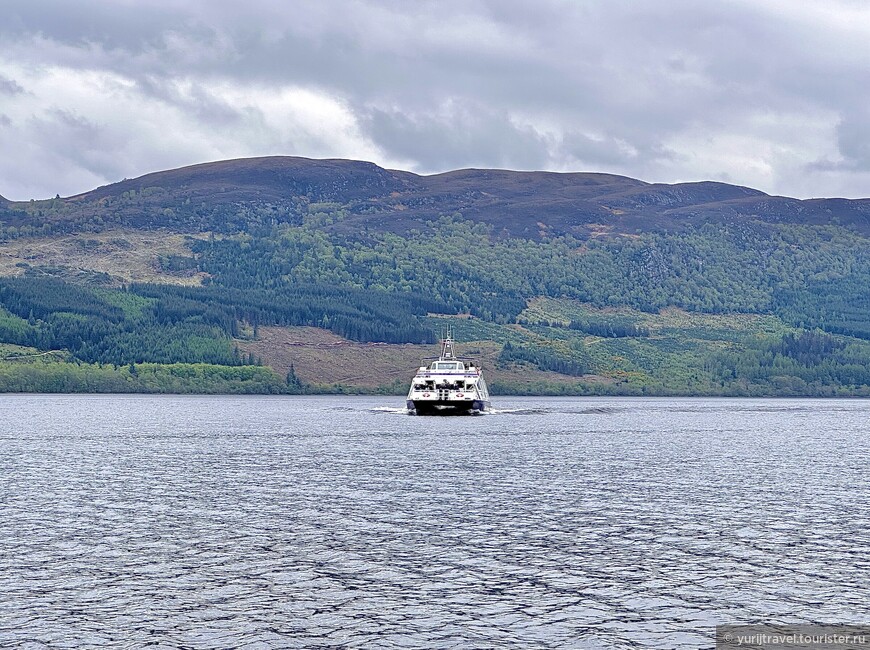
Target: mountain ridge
{"x":526,"y":204}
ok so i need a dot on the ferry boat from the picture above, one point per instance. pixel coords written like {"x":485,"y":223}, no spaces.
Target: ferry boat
{"x":448,"y":385}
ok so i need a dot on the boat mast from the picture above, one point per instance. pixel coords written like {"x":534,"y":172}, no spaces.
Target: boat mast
{"x":447,"y":345}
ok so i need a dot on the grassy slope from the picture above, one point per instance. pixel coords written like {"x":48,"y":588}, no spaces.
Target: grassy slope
{"x":672,"y":357}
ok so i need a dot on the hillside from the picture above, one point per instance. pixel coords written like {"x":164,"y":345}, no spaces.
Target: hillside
{"x":235,"y":195}
{"x":577,"y":283}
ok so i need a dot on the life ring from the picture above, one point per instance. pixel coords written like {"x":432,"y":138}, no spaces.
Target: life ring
{"x":459,"y":395}
{"x":425,"y":394}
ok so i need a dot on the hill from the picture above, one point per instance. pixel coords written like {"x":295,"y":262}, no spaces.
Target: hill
{"x":234,"y":195}
{"x":577,"y":282}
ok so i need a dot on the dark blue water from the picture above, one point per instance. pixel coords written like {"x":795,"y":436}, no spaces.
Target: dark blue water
{"x":221,"y":522}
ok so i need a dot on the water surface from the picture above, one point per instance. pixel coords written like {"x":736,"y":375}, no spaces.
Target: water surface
{"x":305,"y":522}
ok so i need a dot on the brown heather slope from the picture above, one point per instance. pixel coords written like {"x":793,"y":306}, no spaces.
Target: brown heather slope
{"x":515,"y":204}
{"x":269,"y":178}
{"x":321,"y":357}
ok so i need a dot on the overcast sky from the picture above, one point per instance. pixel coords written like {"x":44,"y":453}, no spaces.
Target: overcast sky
{"x":773,"y":94}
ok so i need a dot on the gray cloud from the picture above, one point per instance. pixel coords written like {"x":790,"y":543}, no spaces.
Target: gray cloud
{"x":767,"y":94}
{"x":76,"y":139}
{"x":457,"y":136}
{"x":610,"y":151}
{"x":9,"y":86}
{"x":853,"y":138}
{"x":853,"y":145}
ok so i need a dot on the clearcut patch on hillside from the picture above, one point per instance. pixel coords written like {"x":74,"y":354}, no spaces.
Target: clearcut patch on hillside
{"x":321,"y":357}
{"x":122,"y":255}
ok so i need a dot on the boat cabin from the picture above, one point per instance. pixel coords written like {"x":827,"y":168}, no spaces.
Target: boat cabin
{"x":447,"y":365}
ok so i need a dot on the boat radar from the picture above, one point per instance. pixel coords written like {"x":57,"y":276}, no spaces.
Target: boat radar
{"x":448,"y":385}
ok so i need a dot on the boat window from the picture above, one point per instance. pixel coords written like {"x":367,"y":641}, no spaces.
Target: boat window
{"x":447,"y":365}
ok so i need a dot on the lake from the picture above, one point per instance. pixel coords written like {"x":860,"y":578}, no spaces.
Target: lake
{"x":308,"y":522}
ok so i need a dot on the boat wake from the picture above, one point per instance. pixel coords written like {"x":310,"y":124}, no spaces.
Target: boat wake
{"x":525,"y":411}
{"x":601,"y":410}
{"x":390,"y":410}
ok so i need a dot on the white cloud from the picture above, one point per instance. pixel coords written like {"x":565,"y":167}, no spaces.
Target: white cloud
{"x":76,"y":129}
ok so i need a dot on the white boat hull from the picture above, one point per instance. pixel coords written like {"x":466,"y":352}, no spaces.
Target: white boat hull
{"x":448,"y":407}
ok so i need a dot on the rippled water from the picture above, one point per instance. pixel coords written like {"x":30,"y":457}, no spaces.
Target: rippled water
{"x":204,"y":522}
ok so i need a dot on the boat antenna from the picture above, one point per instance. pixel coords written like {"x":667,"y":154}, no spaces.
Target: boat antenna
{"x":447,"y":345}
